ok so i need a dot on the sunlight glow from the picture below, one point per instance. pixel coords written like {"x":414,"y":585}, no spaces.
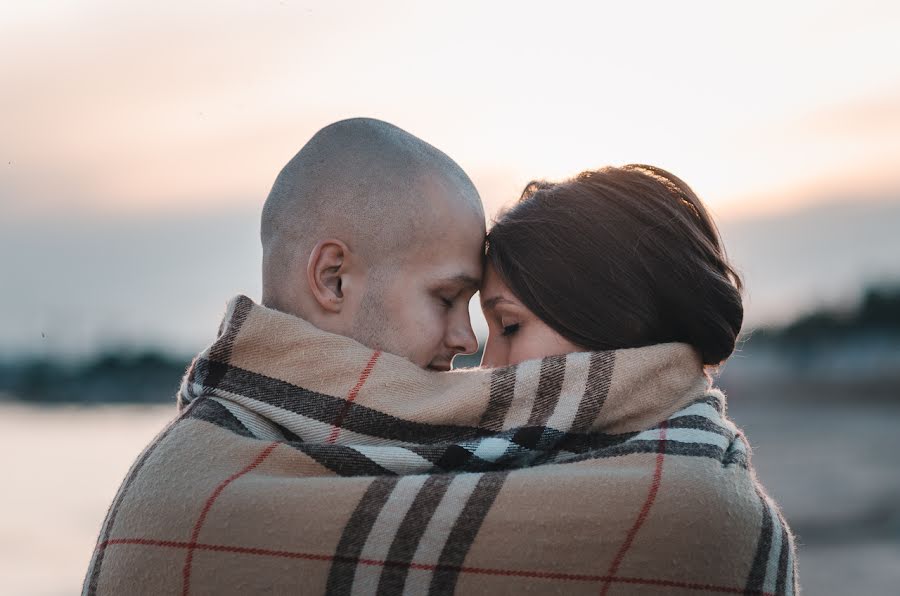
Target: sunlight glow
{"x":124,"y":109}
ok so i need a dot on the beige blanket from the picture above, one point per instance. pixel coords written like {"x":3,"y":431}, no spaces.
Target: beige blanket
{"x":303,"y":462}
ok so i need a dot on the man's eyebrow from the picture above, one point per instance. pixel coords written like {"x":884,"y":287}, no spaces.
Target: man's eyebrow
{"x":462,"y":280}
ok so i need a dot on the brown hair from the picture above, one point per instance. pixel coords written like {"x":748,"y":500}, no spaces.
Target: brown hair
{"x":621,"y":258}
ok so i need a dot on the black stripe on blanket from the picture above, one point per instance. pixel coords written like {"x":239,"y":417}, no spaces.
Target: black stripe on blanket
{"x":325,"y":408}
{"x":454,"y":458}
{"x":355,"y":534}
{"x":735,"y":456}
{"x":444,"y":577}
{"x":713,"y":400}
{"x":633,"y":447}
{"x":342,"y":460}
{"x":346,"y":461}
{"x":595,"y":392}
{"x":757,"y":577}
{"x":363,"y":420}
{"x":209,"y":410}
{"x":410,"y":532}
{"x":699,"y":423}
{"x":527,"y":446}
{"x":451,"y":457}
{"x":553,"y":371}
{"x":286,"y":433}
{"x":503,"y":383}
{"x":782,"y":562}
{"x":220,"y":351}
{"x":582,"y":443}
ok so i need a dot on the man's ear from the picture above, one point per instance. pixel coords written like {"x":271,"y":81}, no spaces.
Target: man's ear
{"x":324,"y":273}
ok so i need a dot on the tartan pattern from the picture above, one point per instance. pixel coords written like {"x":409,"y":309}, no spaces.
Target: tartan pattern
{"x":303,"y":462}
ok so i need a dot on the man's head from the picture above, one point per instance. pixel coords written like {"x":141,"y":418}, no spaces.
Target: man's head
{"x":371,"y":233}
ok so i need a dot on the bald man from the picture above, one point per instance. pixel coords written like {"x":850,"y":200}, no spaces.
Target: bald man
{"x":371,"y":233}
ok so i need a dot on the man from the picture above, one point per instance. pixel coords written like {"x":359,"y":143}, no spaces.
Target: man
{"x":371,"y":233}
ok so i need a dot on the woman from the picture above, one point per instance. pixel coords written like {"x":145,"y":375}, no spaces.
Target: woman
{"x":615,"y":258}
{"x":625,"y":258}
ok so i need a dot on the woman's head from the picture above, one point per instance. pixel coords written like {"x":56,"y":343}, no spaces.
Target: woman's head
{"x":614,"y":258}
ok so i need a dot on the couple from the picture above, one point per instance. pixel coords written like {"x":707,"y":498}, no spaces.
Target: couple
{"x":322,"y":446}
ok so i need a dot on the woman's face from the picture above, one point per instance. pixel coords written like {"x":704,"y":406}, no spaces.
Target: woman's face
{"x":515,"y":334}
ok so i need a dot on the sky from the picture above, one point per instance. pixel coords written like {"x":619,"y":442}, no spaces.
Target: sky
{"x":125,"y":116}
{"x":119,"y":108}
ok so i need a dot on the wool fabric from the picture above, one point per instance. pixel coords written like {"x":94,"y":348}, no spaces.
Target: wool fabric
{"x":302,"y":462}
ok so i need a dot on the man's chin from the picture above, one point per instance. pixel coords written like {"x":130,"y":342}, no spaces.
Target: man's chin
{"x":439,"y":367}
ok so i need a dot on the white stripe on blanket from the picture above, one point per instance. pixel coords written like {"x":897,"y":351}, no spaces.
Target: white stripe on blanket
{"x":703,"y":409}
{"x":774,"y":552}
{"x":684,"y":435}
{"x":789,"y":580}
{"x":256,"y":424}
{"x":573,"y":388}
{"x":308,"y":429}
{"x":396,"y":459}
{"x":524,"y":394}
{"x":378,"y":544}
{"x":438,"y":530}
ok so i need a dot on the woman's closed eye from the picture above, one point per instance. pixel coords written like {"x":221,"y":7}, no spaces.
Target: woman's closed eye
{"x":510,"y":329}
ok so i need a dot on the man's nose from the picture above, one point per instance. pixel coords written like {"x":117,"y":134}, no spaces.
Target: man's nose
{"x":462,"y":338}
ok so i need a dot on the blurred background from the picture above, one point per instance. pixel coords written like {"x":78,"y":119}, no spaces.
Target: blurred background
{"x":138,"y":141}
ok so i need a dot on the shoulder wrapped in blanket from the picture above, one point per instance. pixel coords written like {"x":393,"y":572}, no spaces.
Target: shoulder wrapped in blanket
{"x":303,"y":462}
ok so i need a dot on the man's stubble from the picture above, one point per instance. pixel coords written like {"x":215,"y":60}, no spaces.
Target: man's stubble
{"x":372,"y":326}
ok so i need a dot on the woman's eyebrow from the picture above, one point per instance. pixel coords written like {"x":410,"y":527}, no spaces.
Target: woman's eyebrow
{"x":492,"y":302}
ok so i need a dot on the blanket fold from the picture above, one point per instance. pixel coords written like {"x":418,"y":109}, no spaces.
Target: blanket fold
{"x":303,"y":462}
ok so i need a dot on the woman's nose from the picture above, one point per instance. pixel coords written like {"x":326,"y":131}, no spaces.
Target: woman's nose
{"x":492,"y":357}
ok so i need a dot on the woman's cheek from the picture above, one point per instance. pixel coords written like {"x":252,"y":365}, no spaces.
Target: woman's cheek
{"x":529,"y":347}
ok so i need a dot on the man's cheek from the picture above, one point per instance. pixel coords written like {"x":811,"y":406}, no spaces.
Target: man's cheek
{"x":416,"y":322}
{"x":429,"y":334}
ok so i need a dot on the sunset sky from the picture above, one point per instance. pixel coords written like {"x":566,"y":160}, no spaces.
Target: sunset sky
{"x":116,"y":108}
{"x":132,"y":115}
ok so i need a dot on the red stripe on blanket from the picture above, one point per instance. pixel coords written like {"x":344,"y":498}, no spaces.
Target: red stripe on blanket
{"x":351,"y":397}
{"x":645,"y":510}
{"x":186,"y":572}
{"x":524,"y":573}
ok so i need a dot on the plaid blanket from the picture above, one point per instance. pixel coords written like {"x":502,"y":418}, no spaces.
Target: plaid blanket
{"x":304,"y":462}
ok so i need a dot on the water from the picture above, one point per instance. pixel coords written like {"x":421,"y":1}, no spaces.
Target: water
{"x":834,"y":469}
{"x":62,"y":467}
{"x":832,"y":466}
